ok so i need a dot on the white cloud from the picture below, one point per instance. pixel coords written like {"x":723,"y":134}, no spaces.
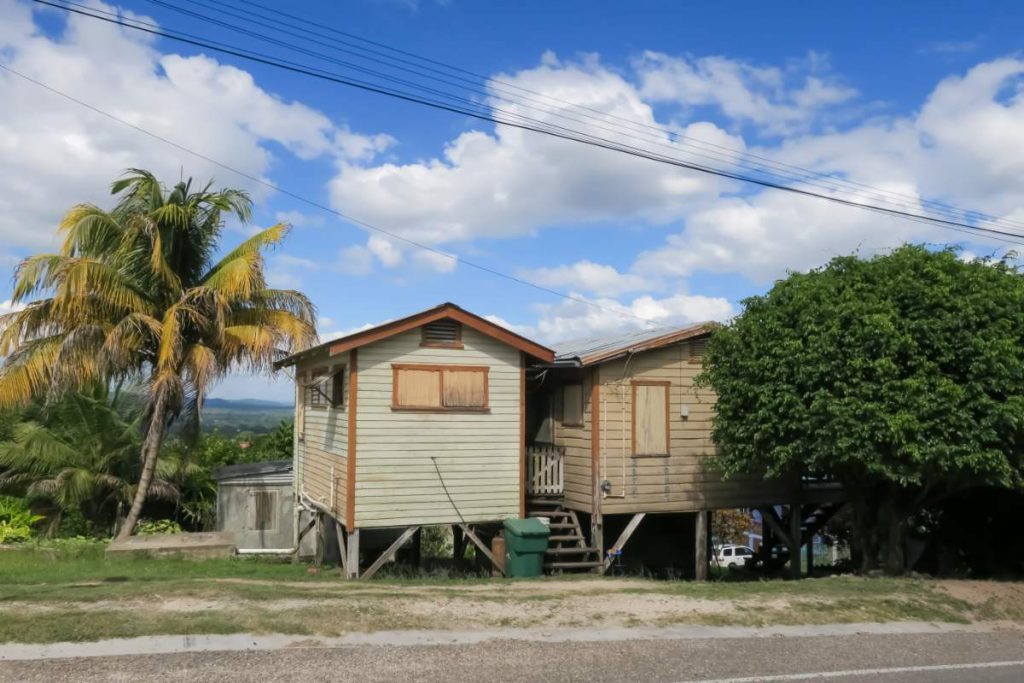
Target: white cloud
{"x":355,"y":260}
{"x":8,"y":306}
{"x":775,"y":99}
{"x":434,"y":261}
{"x":587,"y":276}
{"x":575,"y":319}
{"x":514,"y":182}
{"x":385,"y":250}
{"x":298,"y":219}
{"x":954,"y":150}
{"x":48,"y":143}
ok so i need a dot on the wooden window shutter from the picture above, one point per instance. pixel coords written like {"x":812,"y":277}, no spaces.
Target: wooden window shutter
{"x":444,"y":333}
{"x":572,"y":405}
{"x":317,"y":389}
{"x":650,"y":418}
{"x":464,"y":388}
{"x":417,"y":388}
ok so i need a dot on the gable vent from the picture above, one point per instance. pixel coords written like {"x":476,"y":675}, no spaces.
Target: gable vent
{"x":442,"y":333}
{"x":697,"y":349}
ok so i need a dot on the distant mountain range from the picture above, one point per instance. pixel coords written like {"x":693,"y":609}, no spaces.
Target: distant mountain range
{"x":246,"y":404}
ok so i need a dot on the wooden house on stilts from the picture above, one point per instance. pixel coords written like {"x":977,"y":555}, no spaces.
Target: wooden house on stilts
{"x":445,"y":418}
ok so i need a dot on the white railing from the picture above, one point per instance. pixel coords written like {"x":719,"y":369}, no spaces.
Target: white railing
{"x":545,"y":470}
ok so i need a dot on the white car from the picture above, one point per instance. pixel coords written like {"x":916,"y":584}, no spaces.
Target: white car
{"x":733,"y":556}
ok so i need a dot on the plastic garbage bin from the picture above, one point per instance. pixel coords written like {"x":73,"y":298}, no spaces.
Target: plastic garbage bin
{"x":526,"y":540}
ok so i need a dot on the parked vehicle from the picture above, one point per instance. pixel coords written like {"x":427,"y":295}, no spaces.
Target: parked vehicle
{"x":733,"y":556}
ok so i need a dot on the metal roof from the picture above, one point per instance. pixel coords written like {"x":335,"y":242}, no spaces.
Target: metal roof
{"x":445,"y":310}
{"x":599,"y":349}
{"x":253,"y":469}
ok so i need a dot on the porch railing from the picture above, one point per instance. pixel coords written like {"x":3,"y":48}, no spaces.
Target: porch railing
{"x":545,"y":470}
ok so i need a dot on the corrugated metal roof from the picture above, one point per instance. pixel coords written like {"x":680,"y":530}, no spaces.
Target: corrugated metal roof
{"x":598,"y":349}
{"x":253,"y":469}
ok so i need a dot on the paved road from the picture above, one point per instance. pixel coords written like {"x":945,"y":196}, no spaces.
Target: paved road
{"x":971,"y":656}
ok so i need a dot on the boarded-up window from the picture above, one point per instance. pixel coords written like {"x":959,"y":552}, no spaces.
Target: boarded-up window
{"x":650,"y":418}
{"x":263,"y":510}
{"x":445,"y":333}
{"x":464,"y":389}
{"x":439,"y":387}
{"x":572,"y":405}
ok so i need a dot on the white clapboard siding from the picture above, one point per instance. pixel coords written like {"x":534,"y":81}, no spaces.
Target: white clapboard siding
{"x":477,"y":452}
{"x":321,"y":443}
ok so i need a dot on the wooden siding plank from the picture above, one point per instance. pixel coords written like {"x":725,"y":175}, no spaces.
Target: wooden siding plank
{"x":477,"y":453}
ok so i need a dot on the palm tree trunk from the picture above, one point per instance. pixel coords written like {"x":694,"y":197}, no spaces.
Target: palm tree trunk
{"x":150,"y":453}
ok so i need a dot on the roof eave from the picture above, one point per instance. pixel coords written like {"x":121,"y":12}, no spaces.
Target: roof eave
{"x":445,"y":310}
{"x":649,"y":345}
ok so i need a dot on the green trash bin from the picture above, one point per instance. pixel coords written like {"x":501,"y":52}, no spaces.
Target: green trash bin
{"x":525,"y":543}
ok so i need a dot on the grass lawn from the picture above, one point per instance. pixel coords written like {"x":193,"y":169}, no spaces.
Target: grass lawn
{"x":46,"y":597}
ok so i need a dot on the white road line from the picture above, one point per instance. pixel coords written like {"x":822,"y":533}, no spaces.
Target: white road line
{"x":860,"y":672}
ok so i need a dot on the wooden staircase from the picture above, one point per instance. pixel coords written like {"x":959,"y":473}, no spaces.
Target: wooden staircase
{"x":567,"y":545}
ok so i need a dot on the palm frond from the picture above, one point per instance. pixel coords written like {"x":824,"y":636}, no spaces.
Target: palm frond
{"x":36,"y":274}
{"x":90,"y":231}
{"x":240,"y":273}
{"x":27,"y":372}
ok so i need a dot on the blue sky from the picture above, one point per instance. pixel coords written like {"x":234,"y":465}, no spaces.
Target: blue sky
{"x":919,"y":99}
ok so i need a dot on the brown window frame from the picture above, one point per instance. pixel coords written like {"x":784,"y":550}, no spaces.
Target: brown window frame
{"x":336,"y":385}
{"x":440,"y":369}
{"x":582,"y":405}
{"x":668,"y":416}
{"x":457,"y":344}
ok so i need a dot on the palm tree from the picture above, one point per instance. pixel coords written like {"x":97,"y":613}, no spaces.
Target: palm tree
{"x":79,"y":453}
{"x":136,"y":295}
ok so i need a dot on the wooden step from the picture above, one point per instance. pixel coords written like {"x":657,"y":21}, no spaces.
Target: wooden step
{"x":573,"y":565}
{"x":561,"y":525}
{"x":570,"y":551}
{"x":548,"y":513}
{"x":565,"y":538}
{"x":544,"y":502}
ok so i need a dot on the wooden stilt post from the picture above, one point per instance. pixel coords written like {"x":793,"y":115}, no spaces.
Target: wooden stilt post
{"x":624,"y":537}
{"x":318,"y":540}
{"x":417,"y":548}
{"x":597,"y":495}
{"x":482,"y":547}
{"x":458,"y":546}
{"x":390,"y":552}
{"x":810,"y":554}
{"x":342,"y":551}
{"x":700,"y":546}
{"x":353,"y":554}
{"x":794,"y":540}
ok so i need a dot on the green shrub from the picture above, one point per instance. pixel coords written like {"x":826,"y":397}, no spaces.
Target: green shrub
{"x":73,"y":547}
{"x":152,"y":527}
{"x":16,"y":520}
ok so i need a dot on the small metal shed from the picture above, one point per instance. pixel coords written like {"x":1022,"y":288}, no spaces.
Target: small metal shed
{"x":256,"y":503}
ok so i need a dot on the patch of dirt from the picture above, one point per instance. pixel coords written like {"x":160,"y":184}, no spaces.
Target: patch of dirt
{"x":981,"y":592}
{"x":559,"y":604}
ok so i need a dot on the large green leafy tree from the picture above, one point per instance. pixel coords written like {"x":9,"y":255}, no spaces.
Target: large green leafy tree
{"x":900,"y":375}
{"x":138,"y":294}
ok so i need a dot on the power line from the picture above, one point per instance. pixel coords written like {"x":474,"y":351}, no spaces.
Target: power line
{"x":323,"y":207}
{"x":588,"y":139}
{"x":833,"y":181}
